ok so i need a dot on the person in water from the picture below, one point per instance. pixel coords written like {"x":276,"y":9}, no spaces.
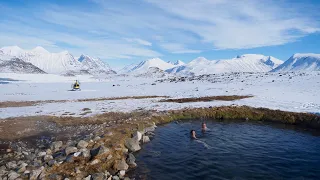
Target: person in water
{"x":204,"y":126}
{"x":193,"y":134}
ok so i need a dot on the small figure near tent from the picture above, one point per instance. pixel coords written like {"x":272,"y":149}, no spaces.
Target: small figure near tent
{"x":76,"y":86}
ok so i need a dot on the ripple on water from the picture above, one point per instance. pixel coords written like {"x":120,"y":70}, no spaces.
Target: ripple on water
{"x":230,"y":150}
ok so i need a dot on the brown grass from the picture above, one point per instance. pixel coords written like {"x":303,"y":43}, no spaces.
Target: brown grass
{"x":206,"y":99}
{"x":6,"y":104}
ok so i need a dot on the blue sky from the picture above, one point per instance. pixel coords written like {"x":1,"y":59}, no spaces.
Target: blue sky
{"x":122,"y":32}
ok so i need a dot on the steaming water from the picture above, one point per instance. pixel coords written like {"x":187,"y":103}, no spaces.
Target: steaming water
{"x":232,"y":150}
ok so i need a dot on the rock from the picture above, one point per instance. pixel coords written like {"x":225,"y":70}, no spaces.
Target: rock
{"x":85,"y":153}
{"x":56,"y":146}
{"x":126,"y":178}
{"x":47,"y":158}
{"x":82,"y":144}
{"x":70,"y":150}
{"x":76,"y":154}
{"x":49,"y":151}
{"x":145,"y":139}
{"x":69,"y":158}
{"x":55,"y":177}
{"x":109,"y":133}
{"x":96,"y":161}
{"x":77,"y":170}
{"x":137,"y":136}
{"x":2,"y":170}
{"x":131,"y":159}
{"x":42,"y":175}
{"x":103,"y":150}
{"x":22,"y":168}
{"x":109,"y":157}
{"x":98,"y":176}
{"x":97,"y":138}
{"x":11,"y":165}
{"x":120,"y":165}
{"x":132,"y":144}
{"x":115,"y":178}
{"x":107,"y":174}
{"x":52,"y":162}
{"x":122,"y":173}
{"x":87,"y":178}
{"x":13,"y":175}
{"x":148,"y":129}
{"x":35,"y":173}
{"x":99,"y":151}
{"x":41,"y":154}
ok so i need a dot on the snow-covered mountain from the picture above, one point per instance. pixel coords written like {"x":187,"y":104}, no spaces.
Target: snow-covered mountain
{"x":300,"y":62}
{"x":17,"y":65}
{"x":144,"y":66}
{"x":94,"y":65}
{"x":243,"y":63}
{"x":55,"y":63}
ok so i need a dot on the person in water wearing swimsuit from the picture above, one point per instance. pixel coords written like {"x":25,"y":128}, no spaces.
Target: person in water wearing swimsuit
{"x":204,"y":126}
{"x":193,"y":134}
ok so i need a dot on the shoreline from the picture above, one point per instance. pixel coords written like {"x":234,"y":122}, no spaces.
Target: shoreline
{"x":106,"y":149}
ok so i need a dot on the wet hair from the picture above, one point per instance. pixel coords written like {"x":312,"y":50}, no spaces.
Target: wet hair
{"x":191,"y":131}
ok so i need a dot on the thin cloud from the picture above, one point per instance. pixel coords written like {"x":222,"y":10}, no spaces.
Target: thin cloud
{"x":177,"y":48}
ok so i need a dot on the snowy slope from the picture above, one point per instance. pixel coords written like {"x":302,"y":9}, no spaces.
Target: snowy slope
{"x":17,"y":65}
{"x":144,"y":66}
{"x":243,"y":63}
{"x":55,"y":63}
{"x":94,"y":65}
{"x":300,"y":62}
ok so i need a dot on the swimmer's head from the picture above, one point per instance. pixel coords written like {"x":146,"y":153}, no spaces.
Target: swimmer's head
{"x":193,"y":134}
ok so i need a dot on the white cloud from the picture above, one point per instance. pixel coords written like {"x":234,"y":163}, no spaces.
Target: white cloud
{"x":177,"y":48}
{"x":139,"y":41}
{"x":125,"y":29}
{"x":233,"y":24}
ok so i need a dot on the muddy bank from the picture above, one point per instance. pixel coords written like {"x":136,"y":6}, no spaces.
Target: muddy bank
{"x":106,"y":140}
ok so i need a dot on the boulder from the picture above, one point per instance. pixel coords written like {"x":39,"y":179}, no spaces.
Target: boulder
{"x":120,"y":165}
{"x":96,"y":161}
{"x":35,"y":173}
{"x":11,"y":165}
{"x":13,"y":175}
{"x":41,"y":154}
{"x":137,"y":136}
{"x":149,"y":129}
{"x":98,"y":176}
{"x":115,"y":178}
{"x":85,"y":153}
{"x":70,"y":150}
{"x":56,"y":146}
{"x":82,"y":144}
{"x":99,"y":151}
{"x":87,"y":178}
{"x":22,"y":168}
{"x":69,"y":158}
{"x":47,"y":158}
{"x":122,"y":173}
{"x":145,"y":139}
{"x":132,"y":144}
{"x":52,"y":162}
{"x":131,"y":159}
